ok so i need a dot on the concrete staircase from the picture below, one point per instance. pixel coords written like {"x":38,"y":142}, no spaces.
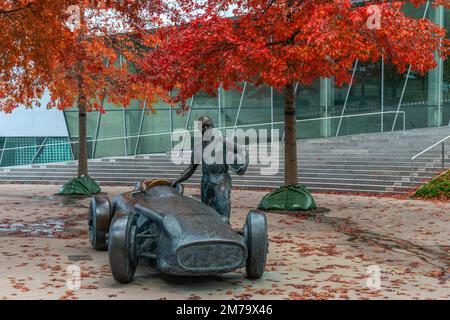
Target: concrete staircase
{"x":373,"y":163}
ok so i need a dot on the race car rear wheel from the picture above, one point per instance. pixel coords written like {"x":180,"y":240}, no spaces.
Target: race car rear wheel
{"x":255,"y":234}
{"x":99,"y":220}
{"x":122,"y":253}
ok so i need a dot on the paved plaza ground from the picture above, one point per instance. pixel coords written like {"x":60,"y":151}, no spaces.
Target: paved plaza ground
{"x":334,"y":255}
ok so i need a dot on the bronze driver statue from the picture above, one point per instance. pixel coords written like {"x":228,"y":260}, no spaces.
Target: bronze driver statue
{"x":216,"y":180}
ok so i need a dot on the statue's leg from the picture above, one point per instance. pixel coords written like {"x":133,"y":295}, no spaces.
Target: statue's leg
{"x":203,"y":190}
{"x":222,"y":200}
{"x":207,"y":192}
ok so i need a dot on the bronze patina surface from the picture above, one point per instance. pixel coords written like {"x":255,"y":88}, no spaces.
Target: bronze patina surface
{"x":179,"y":235}
{"x":216,"y":180}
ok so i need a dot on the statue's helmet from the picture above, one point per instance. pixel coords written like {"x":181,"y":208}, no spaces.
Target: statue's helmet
{"x":206,"y":123}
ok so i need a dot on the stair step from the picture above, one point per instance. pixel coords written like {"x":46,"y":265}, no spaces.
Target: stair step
{"x":374,"y":163}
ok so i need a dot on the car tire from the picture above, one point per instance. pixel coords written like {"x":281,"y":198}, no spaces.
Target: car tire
{"x":122,"y":251}
{"x":99,"y":221}
{"x":255,"y":234}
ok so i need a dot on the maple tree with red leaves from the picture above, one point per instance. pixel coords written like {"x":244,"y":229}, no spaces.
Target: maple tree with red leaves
{"x":279,"y":43}
{"x":71,"y":49}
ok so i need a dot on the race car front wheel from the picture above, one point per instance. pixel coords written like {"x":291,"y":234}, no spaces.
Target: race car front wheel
{"x":255,"y":234}
{"x":122,"y":252}
{"x":99,"y":220}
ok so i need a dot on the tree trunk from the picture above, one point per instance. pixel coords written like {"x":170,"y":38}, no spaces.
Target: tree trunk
{"x":290,"y":139}
{"x":82,"y":135}
{"x":82,"y":132}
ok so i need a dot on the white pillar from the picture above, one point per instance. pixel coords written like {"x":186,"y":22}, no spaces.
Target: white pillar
{"x":326,"y":101}
{"x":435,"y":77}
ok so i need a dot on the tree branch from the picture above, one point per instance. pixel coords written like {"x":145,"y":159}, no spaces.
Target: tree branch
{"x":7,"y":12}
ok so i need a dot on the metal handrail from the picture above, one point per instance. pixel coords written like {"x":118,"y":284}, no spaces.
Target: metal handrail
{"x":442,"y":142}
{"x":189,"y":130}
{"x":348,"y":116}
{"x":429,"y":148}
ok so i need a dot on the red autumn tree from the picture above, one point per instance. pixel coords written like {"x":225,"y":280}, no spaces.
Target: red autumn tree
{"x":71,"y":49}
{"x":281,"y":42}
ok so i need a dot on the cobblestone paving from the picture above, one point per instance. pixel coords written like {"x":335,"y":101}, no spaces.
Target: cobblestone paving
{"x":334,"y":254}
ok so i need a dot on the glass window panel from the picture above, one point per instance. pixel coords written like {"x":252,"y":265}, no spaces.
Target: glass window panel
{"x":111,"y":128}
{"x":446,"y":78}
{"x":154,"y":137}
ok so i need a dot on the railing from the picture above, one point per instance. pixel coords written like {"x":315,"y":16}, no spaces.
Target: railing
{"x":352,"y":116}
{"x":440,"y":142}
{"x":186,"y":130}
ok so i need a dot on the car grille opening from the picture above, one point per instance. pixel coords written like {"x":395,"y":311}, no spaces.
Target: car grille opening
{"x":212,"y":256}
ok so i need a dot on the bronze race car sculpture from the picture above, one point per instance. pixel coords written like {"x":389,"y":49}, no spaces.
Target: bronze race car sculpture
{"x":178,"y":234}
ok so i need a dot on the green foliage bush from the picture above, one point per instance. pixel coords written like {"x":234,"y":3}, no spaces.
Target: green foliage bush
{"x":438,"y":188}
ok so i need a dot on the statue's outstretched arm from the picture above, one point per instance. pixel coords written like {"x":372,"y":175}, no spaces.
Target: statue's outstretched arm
{"x":189,"y":171}
{"x":186,"y":174}
{"x":242,"y":154}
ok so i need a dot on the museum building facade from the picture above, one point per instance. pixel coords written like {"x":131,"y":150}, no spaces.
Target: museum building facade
{"x":378,"y":99}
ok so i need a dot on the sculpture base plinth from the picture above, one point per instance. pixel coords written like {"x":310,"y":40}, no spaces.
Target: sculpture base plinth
{"x":289,"y":198}
{"x":83,"y":185}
